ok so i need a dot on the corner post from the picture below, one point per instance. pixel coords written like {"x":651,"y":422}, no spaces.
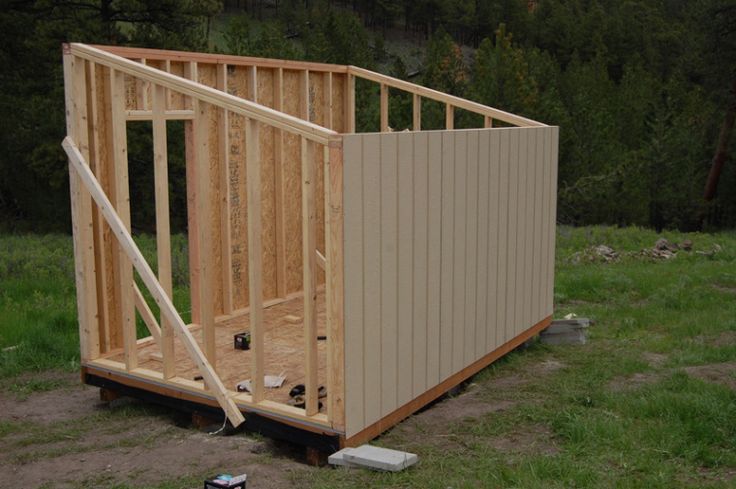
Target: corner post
{"x":81,"y":209}
{"x":334,"y":278}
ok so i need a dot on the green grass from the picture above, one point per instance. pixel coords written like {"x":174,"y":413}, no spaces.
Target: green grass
{"x":38,"y":311}
{"x":672,"y":430}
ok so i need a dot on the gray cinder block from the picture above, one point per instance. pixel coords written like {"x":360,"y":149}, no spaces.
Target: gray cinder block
{"x":372,"y":457}
{"x":566,"y":332}
{"x":338,"y":458}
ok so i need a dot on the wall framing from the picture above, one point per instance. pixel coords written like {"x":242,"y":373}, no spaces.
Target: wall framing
{"x":437,"y":243}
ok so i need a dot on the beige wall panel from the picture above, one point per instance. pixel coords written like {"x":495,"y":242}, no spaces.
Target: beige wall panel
{"x":547,"y":225}
{"x":419,"y":164}
{"x":538,"y":171}
{"x":552,"y":154}
{"x":373,"y":331}
{"x":459,"y":248}
{"x":528,"y":298}
{"x":511,"y":249}
{"x":543,"y":272}
{"x":434,"y":253}
{"x":355,"y":326}
{"x":482,"y":268}
{"x":520,"y":233}
{"x":447,"y":241}
{"x":502,"y":237}
{"x":404,"y":269}
{"x":471,"y":246}
{"x":441,"y":232}
{"x":494,"y":234}
{"x":389,"y":260}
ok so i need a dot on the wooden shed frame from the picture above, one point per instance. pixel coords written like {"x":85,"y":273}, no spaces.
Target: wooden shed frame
{"x":421,"y":256}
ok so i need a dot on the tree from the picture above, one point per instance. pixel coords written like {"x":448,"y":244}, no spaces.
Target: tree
{"x":33,"y":169}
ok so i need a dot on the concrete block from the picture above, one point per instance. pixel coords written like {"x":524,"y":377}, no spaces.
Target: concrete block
{"x":566,"y":332}
{"x":380,"y":458}
{"x":338,"y":458}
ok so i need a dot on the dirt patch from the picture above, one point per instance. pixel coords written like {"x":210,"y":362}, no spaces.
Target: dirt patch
{"x":138,"y":449}
{"x":536,"y":439}
{"x":725,"y":288}
{"x":51,"y":406}
{"x":467,"y":405}
{"x":719,"y":373}
{"x":655,"y":360}
{"x":172,"y":456}
{"x":633,"y":382}
{"x":725,"y":338}
{"x":435,"y":425}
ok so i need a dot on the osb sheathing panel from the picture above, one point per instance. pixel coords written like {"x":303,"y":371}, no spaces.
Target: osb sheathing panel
{"x":176,"y":100}
{"x":208,"y":76}
{"x":291,"y":161}
{"x":283,"y":350}
{"x":268,"y":190}
{"x":138,"y":97}
{"x":338,"y":102}
{"x":317,"y":114}
{"x":237,"y":85}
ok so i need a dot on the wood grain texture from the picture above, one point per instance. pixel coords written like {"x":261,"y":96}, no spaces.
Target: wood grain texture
{"x":124,"y":286}
{"x":335,"y":279}
{"x":163,"y":228}
{"x":135,"y":257}
{"x":77,"y":120}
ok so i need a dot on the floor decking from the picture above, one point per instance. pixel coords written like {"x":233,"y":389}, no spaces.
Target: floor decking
{"x":284,"y":349}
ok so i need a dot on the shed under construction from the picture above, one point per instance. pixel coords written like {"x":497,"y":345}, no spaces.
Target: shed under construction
{"x":379,"y":270}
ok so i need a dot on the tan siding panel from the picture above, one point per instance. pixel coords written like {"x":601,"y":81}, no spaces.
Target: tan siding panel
{"x":471,"y":246}
{"x":513,"y":205}
{"x":553,"y":154}
{"x":459,"y":251}
{"x":481,"y":291}
{"x":503,"y":232}
{"x":354,"y":310}
{"x":434,"y":252}
{"x":521,"y":238}
{"x":372,"y":333}
{"x":405,"y":293}
{"x":447,"y":256}
{"x":494,"y":168}
{"x":420,"y":264}
{"x":548,"y":258}
{"x":446,"y":260}
{"x":389,"y":260}
{"x":538,"y":208}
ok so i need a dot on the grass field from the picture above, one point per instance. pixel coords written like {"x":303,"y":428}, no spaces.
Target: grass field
{"x":649,"y":402}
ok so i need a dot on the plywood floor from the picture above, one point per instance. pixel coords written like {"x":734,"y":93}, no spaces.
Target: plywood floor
{"x":284,"y":349}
